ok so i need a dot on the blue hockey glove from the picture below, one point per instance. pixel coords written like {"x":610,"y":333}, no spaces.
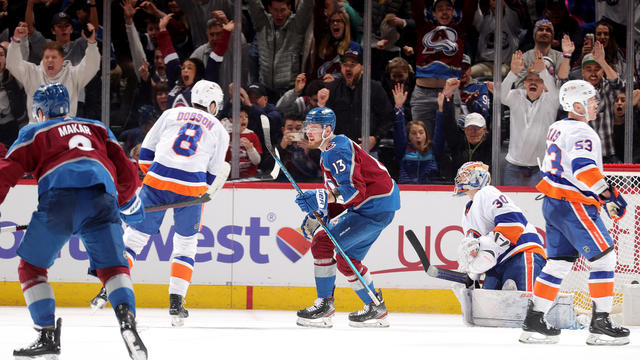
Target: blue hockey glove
{"x":312,"y":200}
{"x":132,"y":212}
{"x":615,"y":205}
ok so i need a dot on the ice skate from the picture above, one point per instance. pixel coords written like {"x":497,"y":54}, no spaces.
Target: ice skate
{"x":176,"y":310}
{"x":135,"y":346}
{"x":100,"y":300}
{"x":603,"y":331}
{"x":536,"y":330}
{"x":372,"y":315}
{"x":46,"y":346}
{"x":320,"y":314}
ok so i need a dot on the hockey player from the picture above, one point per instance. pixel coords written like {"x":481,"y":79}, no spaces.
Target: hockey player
{"x":575,"y":188}
{"x":360,"y":198}
{"x":182,"y":157}
{"x":85,"y":184}
{"x":499,"y":241}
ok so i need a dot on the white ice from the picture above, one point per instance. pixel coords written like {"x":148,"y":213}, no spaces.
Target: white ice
{"x":262,"y":334}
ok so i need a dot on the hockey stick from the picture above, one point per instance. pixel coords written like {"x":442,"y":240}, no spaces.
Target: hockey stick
{"x":433,"y":271}
{"x":274,"y":152}
{"x":202,"y":199}
{"x":266,"y":128}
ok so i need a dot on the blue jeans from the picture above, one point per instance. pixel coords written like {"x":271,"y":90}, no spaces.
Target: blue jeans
{"x":515,"y":175}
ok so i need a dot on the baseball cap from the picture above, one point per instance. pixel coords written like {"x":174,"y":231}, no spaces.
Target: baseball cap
{"x":588,"y":59}
{"x":474,"y":119}
{"x":466,"y":59}
{"x":59,"y":17}
{"x":437,"y":1}
{"x":258,"y":89}
{"x":354,"y":52}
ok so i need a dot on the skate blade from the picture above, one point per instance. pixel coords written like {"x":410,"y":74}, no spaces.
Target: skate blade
{"x":136,"y":352}
{"x":601,"y":339}
{"x":529,"y":337}
{"x":323,"y":322}
{"x":177,"y":320}
{"x":45,"y":357}
{"x":381,"y":322}
{"x":98,"y":304}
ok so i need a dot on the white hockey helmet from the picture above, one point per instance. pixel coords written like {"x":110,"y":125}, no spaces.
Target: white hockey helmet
{"x":205,"y":92}
{"x":576,"y":91}
{"x":472,"y":175}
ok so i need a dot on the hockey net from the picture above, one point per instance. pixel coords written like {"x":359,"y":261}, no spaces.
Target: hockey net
{"x":626,"y":236}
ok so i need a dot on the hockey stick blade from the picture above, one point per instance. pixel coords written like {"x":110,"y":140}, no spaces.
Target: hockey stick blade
{"x":266,"y":129}
{"x":434,"y":271}
{"x":200,"y":200}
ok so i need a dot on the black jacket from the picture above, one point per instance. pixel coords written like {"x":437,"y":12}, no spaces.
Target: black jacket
{"x":459,"y":148}
{"x":347,"y":105}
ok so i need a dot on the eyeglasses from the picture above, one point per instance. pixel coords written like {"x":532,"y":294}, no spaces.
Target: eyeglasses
{"x":336,"y":21}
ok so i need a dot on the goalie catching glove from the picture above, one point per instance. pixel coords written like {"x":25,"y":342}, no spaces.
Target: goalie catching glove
{"x":132,"y":212}
{"x":615,"y":205}
{"x":313,"y":200}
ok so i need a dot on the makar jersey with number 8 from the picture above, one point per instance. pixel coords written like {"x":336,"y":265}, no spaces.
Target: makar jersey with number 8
{"x":183,"y":150}
{"x":572,"y":166}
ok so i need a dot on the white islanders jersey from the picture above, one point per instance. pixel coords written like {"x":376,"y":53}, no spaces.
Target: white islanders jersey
{"x":572,"y":166}
{"x":492,"y":211}
{"x":183,"y":151}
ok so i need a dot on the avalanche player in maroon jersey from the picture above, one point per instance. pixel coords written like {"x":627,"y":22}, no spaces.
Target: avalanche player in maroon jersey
{"x":361,"y":199}
{"x":85,"y":185}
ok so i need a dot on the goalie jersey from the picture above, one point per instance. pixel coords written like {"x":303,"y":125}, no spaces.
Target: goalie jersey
{"x":183,"y":150}
{"x":364,"y":184}
{"x":491,"y":211}
{"x":572,"y":166}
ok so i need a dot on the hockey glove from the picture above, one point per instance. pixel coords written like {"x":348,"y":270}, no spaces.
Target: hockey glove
{"x":616,"y":206}
{"x":132,"y":212}
{"x":313,"y":200}
{"x":309,"y":226}
{"x":467,"y":251}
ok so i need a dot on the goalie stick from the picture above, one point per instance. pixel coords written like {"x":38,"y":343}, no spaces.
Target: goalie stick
{"x":202,"y":199}
{"x":433,"y":271}
{"x":266,"y":128}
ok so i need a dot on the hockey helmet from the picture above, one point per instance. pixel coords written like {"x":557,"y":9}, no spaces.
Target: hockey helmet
{"x":205,"y":92}
{"x":320,"y":115}
{"x":576,"y":91}
{"x":472,"y":175}
{"x":52,"y":99}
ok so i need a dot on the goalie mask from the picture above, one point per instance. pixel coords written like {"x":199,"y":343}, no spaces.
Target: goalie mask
{"x":473,"y":175}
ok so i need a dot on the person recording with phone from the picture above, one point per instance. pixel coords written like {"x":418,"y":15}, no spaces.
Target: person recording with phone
{"x":301,"y":161}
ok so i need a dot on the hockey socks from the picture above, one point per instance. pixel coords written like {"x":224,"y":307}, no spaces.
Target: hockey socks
{"x":119,"y":287}
{"x":180,"y":276}
{"x":38,"y":294}
{"x":325,"y":275}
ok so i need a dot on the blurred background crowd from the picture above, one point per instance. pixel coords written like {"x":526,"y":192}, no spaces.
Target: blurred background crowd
{"x":431,"y":93}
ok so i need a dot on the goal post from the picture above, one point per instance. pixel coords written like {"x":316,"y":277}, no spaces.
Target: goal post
{"x":626,"y":237}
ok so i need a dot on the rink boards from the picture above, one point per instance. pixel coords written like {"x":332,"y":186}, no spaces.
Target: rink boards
{"x":250,"y":255}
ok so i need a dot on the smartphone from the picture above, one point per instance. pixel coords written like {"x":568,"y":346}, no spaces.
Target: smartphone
{"x":298,"y":136}
{"x":86,"y":32}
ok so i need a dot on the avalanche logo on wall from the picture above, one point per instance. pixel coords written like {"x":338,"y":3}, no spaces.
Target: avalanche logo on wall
{"x":292,"y":244}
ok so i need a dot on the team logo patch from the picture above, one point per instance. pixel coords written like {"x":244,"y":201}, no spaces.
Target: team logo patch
{"x":292,"y":243}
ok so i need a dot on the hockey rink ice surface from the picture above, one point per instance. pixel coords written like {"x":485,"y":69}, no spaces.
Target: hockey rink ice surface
{"x":265,"y":334}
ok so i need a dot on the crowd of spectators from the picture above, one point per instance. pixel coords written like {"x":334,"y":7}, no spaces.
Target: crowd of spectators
{"x":432,"y":63}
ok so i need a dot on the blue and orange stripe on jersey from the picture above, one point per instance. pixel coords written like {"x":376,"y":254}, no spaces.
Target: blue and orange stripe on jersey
{"x":558,"y":188}
{"x":178,"y":181}
{"x":145,"y":159}
{"x":586,"y":171}
{"x":511,"y":225}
